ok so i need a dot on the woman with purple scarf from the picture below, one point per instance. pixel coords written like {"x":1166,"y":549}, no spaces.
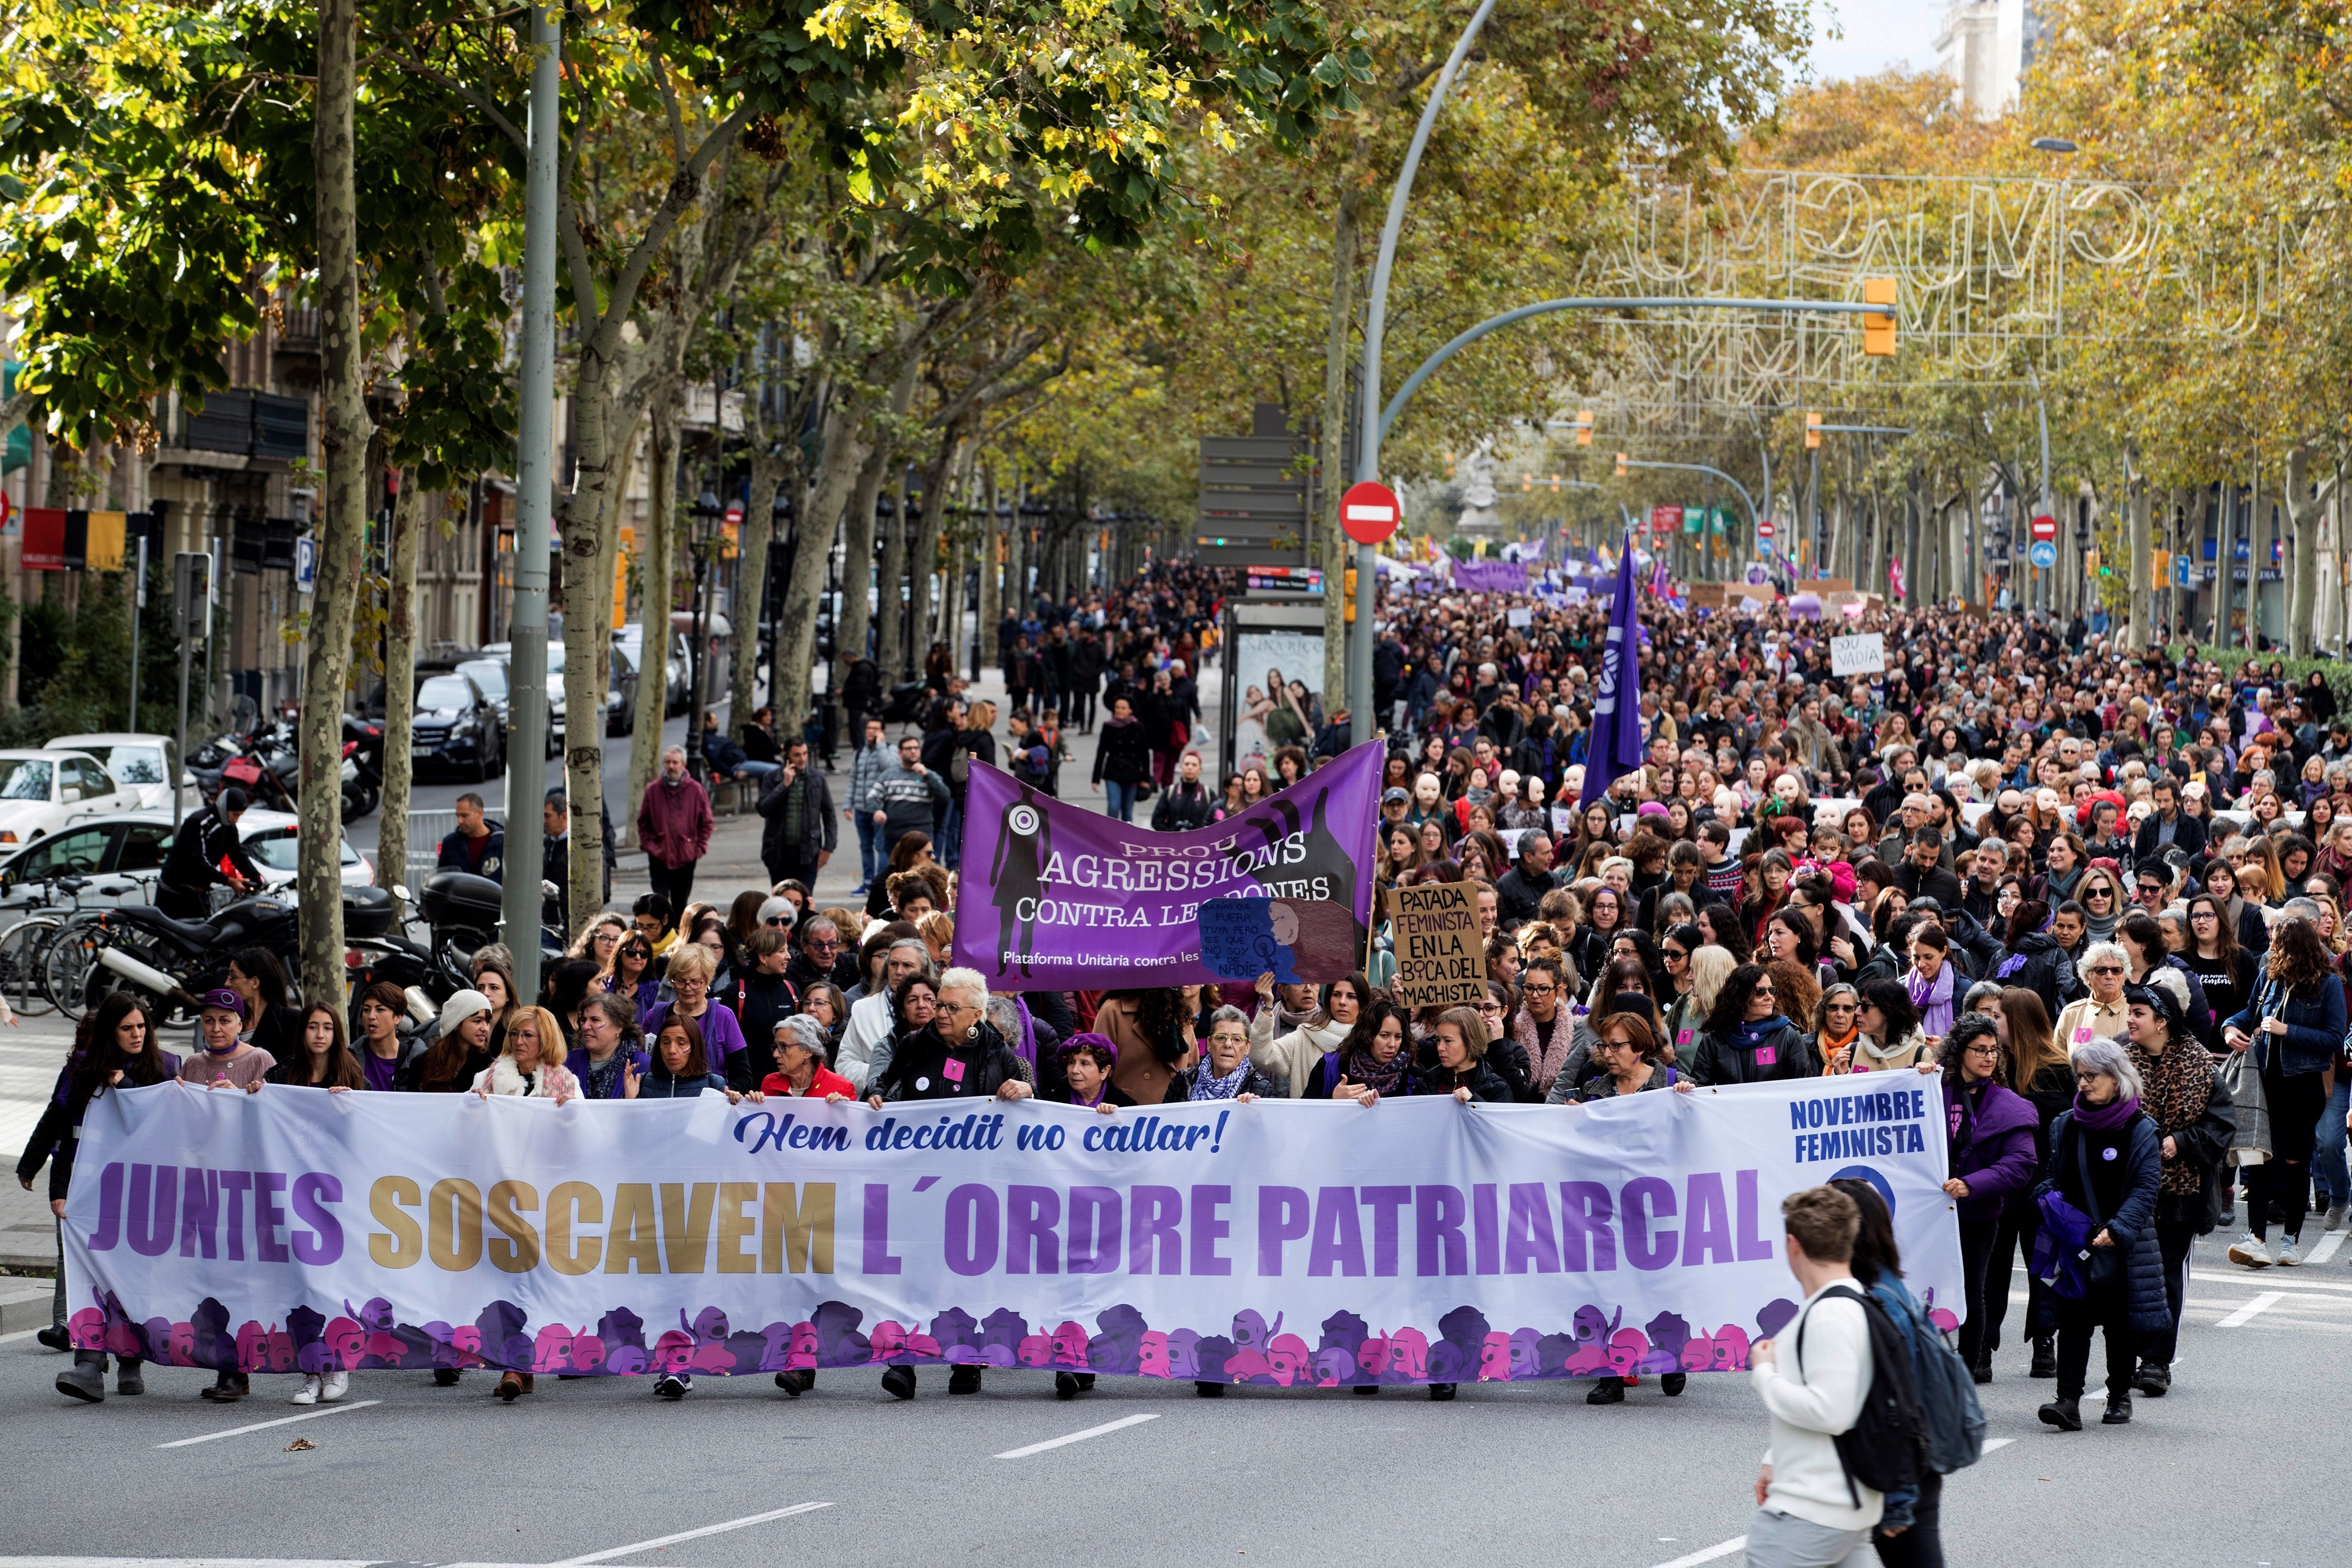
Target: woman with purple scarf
{"x":2100,"y":1183}
{"x":1934,"y":981}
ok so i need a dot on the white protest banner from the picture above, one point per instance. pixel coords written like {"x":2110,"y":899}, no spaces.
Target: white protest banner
{"x":1861,"y":654}
{"x":1290,"y":1242}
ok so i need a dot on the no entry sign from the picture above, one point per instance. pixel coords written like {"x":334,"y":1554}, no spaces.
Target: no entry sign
{"x":2046,"y":527}
{"x":1369,"y":513}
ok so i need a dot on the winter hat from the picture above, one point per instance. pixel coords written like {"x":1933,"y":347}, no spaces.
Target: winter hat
{"x":460,"y":1006}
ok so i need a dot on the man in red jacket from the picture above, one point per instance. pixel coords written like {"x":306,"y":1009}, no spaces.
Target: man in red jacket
{"x":673,"y":825}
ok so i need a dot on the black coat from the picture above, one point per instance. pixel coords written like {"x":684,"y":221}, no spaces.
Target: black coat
{"x":1486,"y":1085}
{"x":1264,"y":1085}
{"x":2188,"y":836}
{"x":1184,"y":806}
{"x":918,"y":1067}
{"x":2067,"y":1172}
{"x":1727,"y":1059}
{"x":820,"y":826}
{"x":1122,"y":753}
{"x":2039,"y":965}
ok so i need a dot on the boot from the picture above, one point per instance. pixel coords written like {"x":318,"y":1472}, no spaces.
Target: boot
{"x":55,"y":1337}
{"x":2118,"y":1407}
{"x":127,"y":1375}
{"x":964,"y":1379}
{"x":1673,"y":1383}
{"x":1371,"y":1388}
{"x":796,"y":1383}
{"x":2066,"y":1415}
{"x":1066,"y":1385}
{"x":1982,"y":1371}
{"x":1608,"y":1391}
{"x":898,"y":1382}
{"x":2154,"y":1381}
{"x":2045,"y":1358}
{"x":86,"y":1379}
{"x":1210,"y":1390}
{"x":1441,"y":1391}
{"x":227,"y":1389}
{"x":445,"y":1377}
{"x":512,"y":1386}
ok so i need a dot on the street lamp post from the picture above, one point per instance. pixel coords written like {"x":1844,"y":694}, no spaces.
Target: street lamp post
{"x":702,"y":532}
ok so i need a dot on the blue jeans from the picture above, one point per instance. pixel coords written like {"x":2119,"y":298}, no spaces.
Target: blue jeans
{"x":870,"y":861}
{"x":2328,"y":1156}
{"x":1121,"y":799}
{"x":763,"y":771}
{"x":951,"y":839}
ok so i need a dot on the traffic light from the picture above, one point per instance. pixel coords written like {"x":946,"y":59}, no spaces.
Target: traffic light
{"x":1812,"y":431}
{"x":1351,"y":595}
{"x":1878,"y":331}
{"x":1584,"y":427}
{"x":1620,"y":466}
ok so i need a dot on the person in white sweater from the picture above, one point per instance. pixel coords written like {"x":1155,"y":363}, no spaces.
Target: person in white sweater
{"x":1808,"y":1513}
{"x":1292,"y":1038}
{"x":865,"y":1043}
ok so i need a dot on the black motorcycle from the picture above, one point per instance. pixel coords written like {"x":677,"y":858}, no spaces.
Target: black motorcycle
{"x":173,"y":963}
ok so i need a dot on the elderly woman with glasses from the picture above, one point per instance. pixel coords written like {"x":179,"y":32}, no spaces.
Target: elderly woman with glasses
{"x":2100,"y":1181}
{"x":2100,"y":1015}
{"x":958,"y":1055}
{"x":1836,"y":1027}
{"x":1991,"y":1157}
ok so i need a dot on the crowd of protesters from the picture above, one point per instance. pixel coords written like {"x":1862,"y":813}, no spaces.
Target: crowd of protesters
{"x":2097,"y":895}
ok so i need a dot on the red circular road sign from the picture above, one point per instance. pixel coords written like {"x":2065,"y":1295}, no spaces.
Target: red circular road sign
{"x":735,"y":514}
{"x":2046,"y":527}
{"x":1763,"y":528}
{"x":1370,"y":512}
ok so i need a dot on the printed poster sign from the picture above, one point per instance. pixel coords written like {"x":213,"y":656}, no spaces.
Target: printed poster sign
{"x":1057,"y":897}
{"x":1290,"y":1243}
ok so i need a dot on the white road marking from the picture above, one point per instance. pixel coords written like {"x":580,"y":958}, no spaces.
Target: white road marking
{"x":744,"y":1524}
{"x":2246,"y":1313}
{"x":1107,"y":1427}
{"x":183,"y":1562}
{"x":1720,"y":1548}
{"x":2326,"y":1248}
{"x":12,"y":1339}
{"x":2246,"y":1277}
{"x":1992,"y":1443}
{"x":265,"y":1426}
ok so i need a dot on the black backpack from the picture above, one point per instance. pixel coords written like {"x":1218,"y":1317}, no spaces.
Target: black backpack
{"x":1885,"y":1450}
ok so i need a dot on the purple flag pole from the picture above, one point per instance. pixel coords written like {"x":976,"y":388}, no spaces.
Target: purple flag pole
{"x":1616,"y":749}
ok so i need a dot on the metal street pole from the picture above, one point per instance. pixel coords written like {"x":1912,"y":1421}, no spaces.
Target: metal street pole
{"x":534,"y":501}
{"x":1376,"y":312}
{"x":1746,"y":499}
{"x":138,"y":603}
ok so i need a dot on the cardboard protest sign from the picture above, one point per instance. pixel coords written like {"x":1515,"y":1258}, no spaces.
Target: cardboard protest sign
{"x":1441,"y":957}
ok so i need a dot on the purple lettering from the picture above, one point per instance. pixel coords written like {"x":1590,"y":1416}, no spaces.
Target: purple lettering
{"x":1707,"y":1238}
{"x":1585,"y":1211}
{"x":1487,"y":1229}
{"x":233,"y":1185}
{"x":1094,"y":1230}
{"x":109,"y":1209}
{"x":324,"y":1243}
{"x":1755,"y":1247}
{"x":878,"y":1259}
{"x":1031,"y":1213}
{"x":1282,"y":1215}
{"x":267,"y":1215}
{"x":972,"y":1221}
{"x":1647,"y":1198}
{"x":1338,"y":1240}
{"x":152,"y":1225}
{"x":1438,"y":1244}
{"x":1208,"y":1229}
{"x":1527,"y":1241}
{"x":199,"y":1211}
{"x":1387,"y":1203}
{"x":1159,"y":1211}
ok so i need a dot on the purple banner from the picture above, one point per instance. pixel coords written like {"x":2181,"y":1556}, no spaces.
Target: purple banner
{"x":1057,"y":897}
{"x":1490,"y":576}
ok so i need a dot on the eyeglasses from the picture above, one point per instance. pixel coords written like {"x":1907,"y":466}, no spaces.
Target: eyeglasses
{"x":2204,"y":915}
{"x":1674,"y":952}
{"x":783,"y":920}
{"x":824,"y":944}
{"x":1538,"y":990}
{"x":954,"y":1010}
{"x":2107,"y":969}
{"x":2097,"y":892}
{"x":1984,"y":1048}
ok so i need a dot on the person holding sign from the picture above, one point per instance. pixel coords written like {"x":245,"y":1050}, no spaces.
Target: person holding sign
{"x":1309,"y":1050}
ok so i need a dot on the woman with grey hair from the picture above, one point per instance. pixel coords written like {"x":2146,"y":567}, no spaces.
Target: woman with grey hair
{"x":2100,"y":1014}
{"x":1224,"y":1071}
{"x":866,"y":1046}
{"x":2100,"y":1183}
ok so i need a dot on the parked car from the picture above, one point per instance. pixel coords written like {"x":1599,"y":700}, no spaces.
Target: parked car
{"x":123,"y":856}
{"x":456,"y":726}
{"x":677,"y":677}
{"x":42,"y":791}
{"x":490,"y":675}
{"x":620,"y":695}
{"x":140,"y":765}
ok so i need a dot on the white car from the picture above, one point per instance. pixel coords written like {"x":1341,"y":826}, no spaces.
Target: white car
{"x":140,"y":765}
{"x":122,"y":855}
{"x":42,"y":791}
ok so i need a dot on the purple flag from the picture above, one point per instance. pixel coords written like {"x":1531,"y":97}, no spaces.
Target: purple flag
{"x":1616,"y":748}
{"x":1490,"y":576}
{"x":1057,"y":897}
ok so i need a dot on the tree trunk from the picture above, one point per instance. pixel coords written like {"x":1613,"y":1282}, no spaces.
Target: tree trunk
{"x":856,"y":555}
{"x":992,"y":567}
{"x":768,"y":470}
{"x":345,"y":433}
{"x":2307,"y":504}
{"x":399,"y":687}
{"x":1333,"y":463}
{"x":2139,"y":502}
{"x":2224,"y":553}
{"x":590,"y":533}
{"x":890,"y":610}
{"x":657,"y":561}
{"x":842,"y":454}
{"x":924,"y":558}
{"x":1016,"y":550}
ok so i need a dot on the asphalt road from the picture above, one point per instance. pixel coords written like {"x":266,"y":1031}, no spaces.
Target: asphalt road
{"x":600,"y":1471}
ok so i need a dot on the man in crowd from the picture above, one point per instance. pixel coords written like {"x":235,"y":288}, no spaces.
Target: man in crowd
{"x":475,"y":845}
{"x":674,"y":828}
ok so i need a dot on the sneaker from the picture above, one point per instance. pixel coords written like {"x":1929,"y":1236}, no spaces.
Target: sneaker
{"x":309,"y":1392}
{"x":2229,"y":1216}
{"x":2154,"y":1381}
{"x":2249,"y":1251}
{"x":671,"y":1387}
{"x":335,"y":1386}
{"x":2333,"y":1218}
{"x":1608,"y":1391}
{"x":2290,"y":1252}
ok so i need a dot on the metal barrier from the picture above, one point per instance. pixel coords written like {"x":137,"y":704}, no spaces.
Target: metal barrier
{"x":425,"y":832}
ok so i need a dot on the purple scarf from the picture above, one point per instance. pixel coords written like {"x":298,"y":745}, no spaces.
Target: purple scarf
{"x":2105,"y":1118}
{"x":1933,"y":999}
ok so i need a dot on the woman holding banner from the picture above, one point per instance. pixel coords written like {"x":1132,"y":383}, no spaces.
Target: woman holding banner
{"x":1747,"y":1039}
{"x":1309,"y":1046}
